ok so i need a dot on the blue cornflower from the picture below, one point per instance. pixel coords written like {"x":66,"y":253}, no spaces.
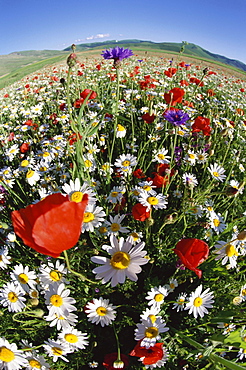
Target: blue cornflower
{"x":176,"y":117}
{"x":117,"y":54}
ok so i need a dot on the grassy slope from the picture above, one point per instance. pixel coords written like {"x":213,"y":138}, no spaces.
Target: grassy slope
{"x":143,"y":48}
{"x":18,"y":73}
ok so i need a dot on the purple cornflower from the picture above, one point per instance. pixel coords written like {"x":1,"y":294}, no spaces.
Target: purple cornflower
{"x":117,"y":54}
{"x":176,"y":117}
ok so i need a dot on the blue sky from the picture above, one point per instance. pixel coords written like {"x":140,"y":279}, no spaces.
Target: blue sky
{"x":215,"y":25}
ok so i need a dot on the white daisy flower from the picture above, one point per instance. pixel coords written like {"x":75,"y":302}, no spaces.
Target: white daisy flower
{"x":189,"y":180}
{"x":36,"y":362}
{"x":147,"y":186}
{"x":58,"y":301}
{"x":52,"y":274}
{"x":179,"y":305}
{"x":74,"y":338}
{"x":242,"y":354}
{"x":202,"y":157}
{"x":114,"y":225}
{"x":32,"y":177}
{"x":120,"y":131}
{"x":126,"y":160}
{"x":124,"y":263}
{"x":89,"y":163}
{"x":217,"y":172}
{"x":100,"y":311}
{"x":62,"y":322}
{"x":93,"y":217}
{"x":227,"y":252}
{"x":12,"y":151}
{"x":172,"y":285}
{"x":199,"y":302}
{"x":157,"y":201}
{"x":236,"y":185}
{"x":136,"y":237}
{"x":4,"y":258}
{"x":23,"y":277}
{"x":243,"y":292}
{"x":12,"y":296}
{"x":217,"y":222}
{"x":11,"y":358}
{"x":157,"y":295}
{"x":148,"y":332}
{"x":93,"y":364}
{"x":106,"y":169}
{"x":151,"y":313}
{"x":56,"y":350}
{"x":116,"y":195}
{"x":74,"y":189}
{"x":190,"y":158}
{"x":160,"y":156}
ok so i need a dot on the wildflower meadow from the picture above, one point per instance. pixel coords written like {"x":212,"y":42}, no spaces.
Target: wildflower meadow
{"x":123,"y":209}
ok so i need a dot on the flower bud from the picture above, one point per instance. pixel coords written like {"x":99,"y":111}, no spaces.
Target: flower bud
{"x":72,"y":60}
{"x":242,"y":235}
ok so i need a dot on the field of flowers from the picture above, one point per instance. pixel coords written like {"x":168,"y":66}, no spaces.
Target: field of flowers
{"x":123,"y":209}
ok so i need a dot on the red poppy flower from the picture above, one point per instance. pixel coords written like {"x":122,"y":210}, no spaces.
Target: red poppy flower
{"x":192,"y":253}
{"x":92,"y":94}
{"x":202,"y":124}
{"x":138,"y":173}
{"x":110,"y":358}
{"x":151,"y":355}
{"x":24,"y":147}
{"x":170,"y":72}
{"x":174,"y":96}
{"x":140,"y":212}
{"x":51,"y":225}
{"x":148,"y":118}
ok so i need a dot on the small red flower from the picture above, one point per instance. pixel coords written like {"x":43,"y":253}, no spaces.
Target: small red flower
{"x":110,"y":358}
{"x":149,"y":356}
{"x":202,"y":124}
{"x":51,"y":225}
{"x":174,"y":96}
{"x":92,"y":94}
{"x":170,"y":72}
{"x":138,"y":173}
{"x":140,"y":212}
{"x":192,"y":253}
{"x":24,"y":147}
{"x":148,"y":118}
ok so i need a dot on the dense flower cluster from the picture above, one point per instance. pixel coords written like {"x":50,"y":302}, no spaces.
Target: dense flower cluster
{"x":122,"y":216}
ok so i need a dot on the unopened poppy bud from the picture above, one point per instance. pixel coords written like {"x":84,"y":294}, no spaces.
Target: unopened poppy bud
{"x":33,"y":301}
{"x":231,"y":191}
{"x":211,"y":152}
{"x":73,"y":47}
{"x":242,"y":235}
{"x":62,"y":81}
{"x":224,"y":132}
{"x":149,"y":222}
{"x":237,"y":300}
{"x":205,"y":70}
{"x":170,"y":219}
{"x":72,"y":60}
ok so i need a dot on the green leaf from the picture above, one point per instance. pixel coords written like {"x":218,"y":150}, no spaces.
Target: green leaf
{"x":229,"y":364}
{"x":235,"y":339}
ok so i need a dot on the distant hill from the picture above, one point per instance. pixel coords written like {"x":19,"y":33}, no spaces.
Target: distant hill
{"x":190,"y":50}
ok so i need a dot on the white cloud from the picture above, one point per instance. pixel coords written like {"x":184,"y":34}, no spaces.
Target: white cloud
{"x":98,"y":36}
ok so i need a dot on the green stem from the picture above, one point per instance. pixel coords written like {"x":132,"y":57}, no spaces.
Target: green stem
{"x":82,"y":277}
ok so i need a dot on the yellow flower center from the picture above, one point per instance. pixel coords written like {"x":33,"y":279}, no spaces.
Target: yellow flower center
{"x":46,"y":154}
{"x":24,"y":163}
{"x":216,"y":174}
{"x":210,"y":208}
{"x":201,"y":157}
{"x":120,"y":260}
{"x":134,"y":236}
{"x":158,"y":297}
{"x":126,"y":163}
{"x":146,"y":187}
{"x":152,"y":200}
{"x":216,"y":222}
{"x":135,"y":192}
{"x":71,"y":338}
{"x":243,"y":292}
{"x":76,"y":197}
{"x":120,"y":128}
{"x":88,"y":217}
{"x":12,"y":297}
{"x":172,"y":285}
{"x":161,"y":156}
{"x":55,"y":275}
{"x":30,"y":174}
{"x":23,"y":278}
{"x":181,"y":301}
{"x":101,"y":311}
{"x":56,"y":300}
{"x":43,"y":169}
{"x":198,"y":302}
{"x":192,"y":156}
{"x":35,"y":363}
{"x":114,"y":194}
{"x":102,"y":230}
{"x":151,"y":332}
{"x":115,"y":227}
{"x":231,"y":251}
{"x":152,"y":318}
{"x":57,"y":351}
{"x":6,"y":355}
{"x":34,"y":294}
{"x":88,"y":163}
